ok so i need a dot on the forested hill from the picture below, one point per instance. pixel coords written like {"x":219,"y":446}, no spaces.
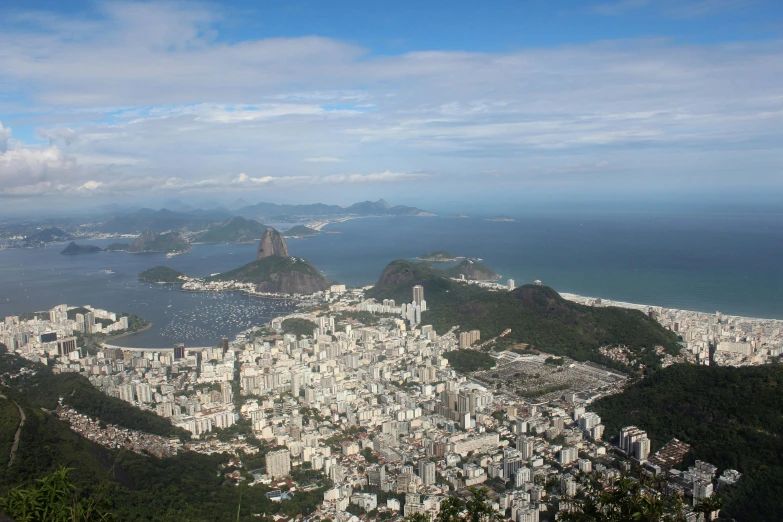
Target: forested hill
{"x":536,"y":315}
{"x":732,"y":418}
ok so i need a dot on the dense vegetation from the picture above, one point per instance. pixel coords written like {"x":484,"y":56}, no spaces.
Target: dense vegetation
{"x":299,"y":327}
{"x":469,"y":360}
{"x":536,"y":315}
{"x":9,"y":422}
{"x":300,"y":231}
{"x":161,"y":274}
{"x":234,"y":230}
{"x":730,"y":416}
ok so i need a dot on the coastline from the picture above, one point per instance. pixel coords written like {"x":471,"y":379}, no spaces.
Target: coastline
{"x":581,"y":299}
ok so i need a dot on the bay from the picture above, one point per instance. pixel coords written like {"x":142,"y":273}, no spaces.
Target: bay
{"x":705,"y":261}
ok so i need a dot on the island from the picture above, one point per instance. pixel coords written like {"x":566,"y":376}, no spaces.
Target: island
{"x":473,"y":271}
{"x":235,"y":230}
{"x":162,"y":275}
{"x":501,"y":218}
{"x":300,"y":231}
{"x":73,"y":249}
{"x":118,"y":247}
{"x":170,"y":243}
{"x":439,"y":256}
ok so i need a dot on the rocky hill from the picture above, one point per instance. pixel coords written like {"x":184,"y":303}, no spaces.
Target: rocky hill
{"x":73,"y":249}
{"x":271,"y":244}
{"x":150,"y":241}
{"x":277,"y":274}
{"x":234,"y":230}
{"x":473,"y":271}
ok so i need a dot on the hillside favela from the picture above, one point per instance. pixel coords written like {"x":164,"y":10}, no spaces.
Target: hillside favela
{"x":566,"y":305}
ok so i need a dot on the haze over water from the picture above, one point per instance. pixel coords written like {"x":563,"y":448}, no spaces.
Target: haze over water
{"x":706,"y":262}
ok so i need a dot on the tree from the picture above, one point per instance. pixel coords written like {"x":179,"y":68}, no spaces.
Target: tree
{"x":708,"y":506}
{"x":624,"y":499}
{"x":478,"y":508}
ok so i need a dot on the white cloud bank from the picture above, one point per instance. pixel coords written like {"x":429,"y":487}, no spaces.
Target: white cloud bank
{"x":144,"y":97}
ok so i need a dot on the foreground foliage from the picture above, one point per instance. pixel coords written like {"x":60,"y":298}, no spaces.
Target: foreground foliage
{"x":53,"y":499}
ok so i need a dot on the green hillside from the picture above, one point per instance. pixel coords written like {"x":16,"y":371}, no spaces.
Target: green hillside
{"x":234,"y":230}
{"x":730,"y":416}
{"x":536,"y":315}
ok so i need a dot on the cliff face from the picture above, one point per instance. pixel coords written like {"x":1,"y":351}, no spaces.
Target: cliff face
{"x":271,"y":244}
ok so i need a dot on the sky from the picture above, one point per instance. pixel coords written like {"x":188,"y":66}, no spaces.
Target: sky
{"x":427,"y":103}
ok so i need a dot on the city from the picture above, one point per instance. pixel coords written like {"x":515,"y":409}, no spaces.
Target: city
{"x":377,"y":408}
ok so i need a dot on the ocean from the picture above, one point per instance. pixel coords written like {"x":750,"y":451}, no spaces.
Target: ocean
{"x":696,"y":261}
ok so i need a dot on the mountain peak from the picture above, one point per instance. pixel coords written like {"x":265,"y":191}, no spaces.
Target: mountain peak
{"x":271,"y":244}
{"x":382,"y":202}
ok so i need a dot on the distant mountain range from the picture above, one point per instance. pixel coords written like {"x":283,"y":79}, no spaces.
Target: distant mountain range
{"x":219,"y":225}
{"x":365,"y":208}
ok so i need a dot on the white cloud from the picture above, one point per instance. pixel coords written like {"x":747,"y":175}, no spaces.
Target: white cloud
{"x":149,"y":98}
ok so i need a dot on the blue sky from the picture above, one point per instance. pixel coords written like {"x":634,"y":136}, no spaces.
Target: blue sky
{"x":414,"y":101}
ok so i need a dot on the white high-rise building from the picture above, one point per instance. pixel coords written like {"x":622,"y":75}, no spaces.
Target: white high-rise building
{"x":427,"y":471}
{"x":418,"y":294}
{"x":278,"y":463}
{"x":512,"y":284}
{"x":525,"y":445}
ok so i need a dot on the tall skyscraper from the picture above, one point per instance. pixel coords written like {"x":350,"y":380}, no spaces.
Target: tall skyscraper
{"x":278,"y":463}
{"x":512,"y":284}
{"x":179,"y":351}
{"x":418,"y":294}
